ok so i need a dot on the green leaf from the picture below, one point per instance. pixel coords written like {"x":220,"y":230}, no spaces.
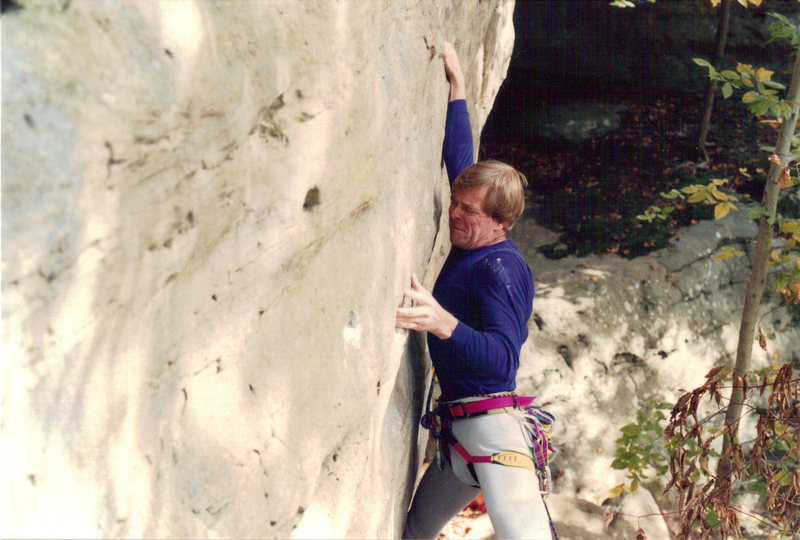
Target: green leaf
{"x":758,"y":485}
{"x":711,"y":518}
{"x":704,"y":63}
{"x":759,"y":107}
{"x":672,"y":194}
{"x":773,"y":84}
{"x":785,"y":479}
{"x":727,"y":90}
{"x":631,"y":430}
{"x":787,"y":110}
{"x":619,"y":464}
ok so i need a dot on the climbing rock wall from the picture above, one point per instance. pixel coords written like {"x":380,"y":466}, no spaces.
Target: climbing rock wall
{"x":209,"y":213}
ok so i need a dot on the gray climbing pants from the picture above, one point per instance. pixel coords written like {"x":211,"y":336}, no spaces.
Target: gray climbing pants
{"x":511,"y":494}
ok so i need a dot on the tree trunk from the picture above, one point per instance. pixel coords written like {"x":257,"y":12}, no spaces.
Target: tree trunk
{"x":755,"y":286}
{"x":711,"y":87}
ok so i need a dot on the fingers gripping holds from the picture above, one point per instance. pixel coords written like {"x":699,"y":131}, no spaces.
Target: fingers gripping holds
{"x":425,"y":313}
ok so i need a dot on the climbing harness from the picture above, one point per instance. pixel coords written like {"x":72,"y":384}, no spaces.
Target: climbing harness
{"x":534,"y":422}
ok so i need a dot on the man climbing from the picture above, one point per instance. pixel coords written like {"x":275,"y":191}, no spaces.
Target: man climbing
{"x":476,"y":320}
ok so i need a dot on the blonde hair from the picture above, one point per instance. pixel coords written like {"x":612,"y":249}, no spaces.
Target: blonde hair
{"x":505,"y":196}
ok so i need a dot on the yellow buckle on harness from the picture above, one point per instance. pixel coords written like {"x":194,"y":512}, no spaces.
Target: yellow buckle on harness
{"x":514,"y":459}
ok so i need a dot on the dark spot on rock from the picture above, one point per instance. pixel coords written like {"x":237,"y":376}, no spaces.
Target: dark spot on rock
{"x":537,"y":320}
{"x":273,"y":523}
{"x":378,"y":386}
{"x":260,"y":312}
{"x":251,"y":388}
{"x":29,"y":120}
{"x":266,"y":495}
{"x":9,"y":5}
{"x":312,"y":199}
{"x":627,"y":358}
{"x":663,"y":354}
{"x":168,"y":243}
{"x":300,"y":510}
{"x":190,"y":217}
{"x":566,"y":354}
{"x":32,"y":479}
{"x":168,"y":52}
{"x":334,"y":457}
{"x":214,"y":297}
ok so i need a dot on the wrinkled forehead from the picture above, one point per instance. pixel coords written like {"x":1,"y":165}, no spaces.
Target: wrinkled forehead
{"x":470,"y":195}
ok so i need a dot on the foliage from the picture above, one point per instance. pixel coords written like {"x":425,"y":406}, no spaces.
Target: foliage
{"x":766,"y":466}
{"x":641,"y":447}
{"x":763,"y":96}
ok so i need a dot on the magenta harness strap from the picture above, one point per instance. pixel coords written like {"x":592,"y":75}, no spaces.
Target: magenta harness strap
{"x":484,"y":406}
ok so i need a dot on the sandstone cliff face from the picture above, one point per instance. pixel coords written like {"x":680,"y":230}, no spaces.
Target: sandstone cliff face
{"x":210,"y":212}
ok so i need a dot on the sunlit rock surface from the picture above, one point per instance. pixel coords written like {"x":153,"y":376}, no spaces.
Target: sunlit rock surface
{"x":210,"y":211}
{"x":610,"y":334}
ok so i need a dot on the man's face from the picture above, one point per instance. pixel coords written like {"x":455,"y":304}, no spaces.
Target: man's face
{"x":470,"y":226}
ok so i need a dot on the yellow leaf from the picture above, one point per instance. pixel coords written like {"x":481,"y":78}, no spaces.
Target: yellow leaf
{"x":697,"y":197}
{"x":742,"y":2}
{"x":720,"y":196}
{"x":763,"y":74}
{"x":616,"y":491}
{"x":715,"y":3}
{"x":755,"y":2}
{"x":744,"y":68}
{"x":721,"y":210}
{"x":750,"y":96}
{"x":775,"y":256}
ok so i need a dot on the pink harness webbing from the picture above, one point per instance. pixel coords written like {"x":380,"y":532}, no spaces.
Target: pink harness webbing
{"x":474,"y":408}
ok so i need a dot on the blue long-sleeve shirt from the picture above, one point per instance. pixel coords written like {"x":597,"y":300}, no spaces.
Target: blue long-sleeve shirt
{"x":488,"y":289}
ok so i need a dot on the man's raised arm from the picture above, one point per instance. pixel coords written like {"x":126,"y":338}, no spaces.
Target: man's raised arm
{"x":457,"y":150}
